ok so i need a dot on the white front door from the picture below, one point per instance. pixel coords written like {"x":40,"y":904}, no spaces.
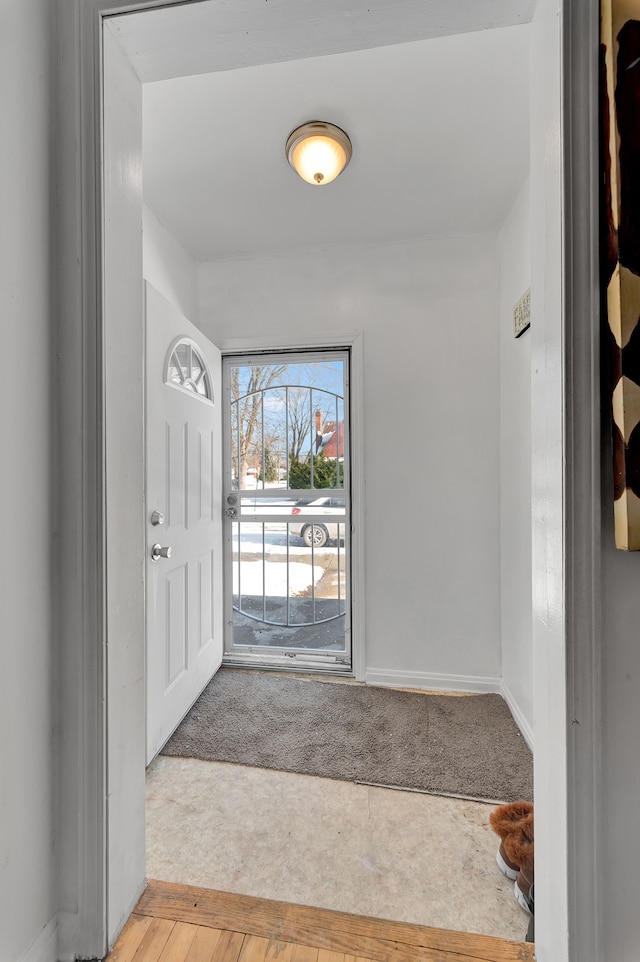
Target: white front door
{"x":184,"y":516}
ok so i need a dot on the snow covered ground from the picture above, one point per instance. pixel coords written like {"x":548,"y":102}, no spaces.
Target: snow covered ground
{"x":294,"y":619}
{"x":300,"y":578}
{"x":275,"y":540}
{"x":301,"y":574}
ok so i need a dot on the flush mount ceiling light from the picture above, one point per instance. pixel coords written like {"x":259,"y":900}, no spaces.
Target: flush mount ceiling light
{"x":318,"y":152}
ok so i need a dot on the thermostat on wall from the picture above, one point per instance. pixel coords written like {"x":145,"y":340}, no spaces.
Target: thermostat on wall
{"x":522,"y":314}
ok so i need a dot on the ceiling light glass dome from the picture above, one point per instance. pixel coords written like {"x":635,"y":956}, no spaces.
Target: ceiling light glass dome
{"x":318,"y":152}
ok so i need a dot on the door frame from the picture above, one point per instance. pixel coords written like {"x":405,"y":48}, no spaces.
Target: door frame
{"x":353,"y":341}
{"x":93,"y":759}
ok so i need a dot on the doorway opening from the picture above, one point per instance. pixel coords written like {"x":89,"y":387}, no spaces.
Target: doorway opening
{"x":287,"y":482}
{"x":375,"y":483}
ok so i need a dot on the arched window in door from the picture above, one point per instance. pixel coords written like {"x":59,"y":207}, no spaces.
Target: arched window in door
{"x":186,"y":370}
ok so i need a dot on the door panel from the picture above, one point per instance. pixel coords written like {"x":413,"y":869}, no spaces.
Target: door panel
{"x":205,"y":444}
{"x":184,"y":482}
{"x":206,"y":589}
{"x":176,"y":464}
{"x":175,"y":591}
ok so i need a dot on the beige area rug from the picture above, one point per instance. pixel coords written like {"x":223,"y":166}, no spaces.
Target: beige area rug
{"x":466,"y":746}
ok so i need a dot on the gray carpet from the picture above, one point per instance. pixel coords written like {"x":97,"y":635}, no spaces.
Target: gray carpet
{"x":467,"y":746}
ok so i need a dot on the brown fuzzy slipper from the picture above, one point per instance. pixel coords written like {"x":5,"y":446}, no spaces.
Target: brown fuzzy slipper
{"x":519,"y":845}
{"x":507,"y":817}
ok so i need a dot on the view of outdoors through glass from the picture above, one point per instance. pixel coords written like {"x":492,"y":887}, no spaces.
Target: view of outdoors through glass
{"x":287,"y":425}
{"x":288,"y":504}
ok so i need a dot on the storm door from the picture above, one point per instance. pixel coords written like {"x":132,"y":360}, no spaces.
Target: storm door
{"x":286,"y":510}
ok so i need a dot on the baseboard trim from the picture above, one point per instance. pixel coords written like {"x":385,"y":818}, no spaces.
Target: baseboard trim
{"x":45,"y":947}
{"x":390,"y":677}
{"x":525,"y":728}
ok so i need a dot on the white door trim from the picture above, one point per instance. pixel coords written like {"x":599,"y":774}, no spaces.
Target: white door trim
{"x":354,"y":341}
{"x":584,"y":451}
{"x":87,"y":831}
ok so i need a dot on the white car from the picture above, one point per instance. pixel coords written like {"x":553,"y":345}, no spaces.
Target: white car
{"x":317,"y":533}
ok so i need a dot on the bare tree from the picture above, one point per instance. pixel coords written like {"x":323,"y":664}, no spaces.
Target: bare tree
{"x":299,"y":410}
{"x":248,"y":410}
{"x":286,"y":429}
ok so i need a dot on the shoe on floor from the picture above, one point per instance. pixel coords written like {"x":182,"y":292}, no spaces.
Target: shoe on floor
{"x":523,"y":891}
{"x":506,"y":866}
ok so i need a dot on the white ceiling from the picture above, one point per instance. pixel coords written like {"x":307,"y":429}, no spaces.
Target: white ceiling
{"x":440,"y":132}
{"x":203,"y":36}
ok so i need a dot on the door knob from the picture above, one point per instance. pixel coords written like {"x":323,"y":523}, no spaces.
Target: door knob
{"x":157,"y":517}
{"x":158,"y":552}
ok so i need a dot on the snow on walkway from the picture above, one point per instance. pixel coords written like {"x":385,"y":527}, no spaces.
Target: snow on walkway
{"x":301,"y":577}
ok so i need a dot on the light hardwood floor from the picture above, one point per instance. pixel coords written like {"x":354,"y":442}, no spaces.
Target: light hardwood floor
{"x":181,"y":923}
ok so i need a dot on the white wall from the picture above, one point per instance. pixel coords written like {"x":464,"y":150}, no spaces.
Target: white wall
{"x":28,"y":900}
{"x":515,"y":466}
{"x":168,"y":266}
{"x":429,"y":313}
